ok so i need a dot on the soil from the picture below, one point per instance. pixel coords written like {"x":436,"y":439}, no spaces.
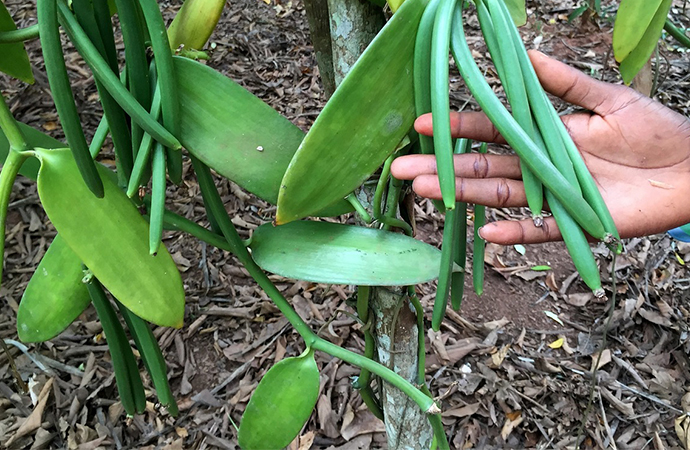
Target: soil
{"x":512,"y":368}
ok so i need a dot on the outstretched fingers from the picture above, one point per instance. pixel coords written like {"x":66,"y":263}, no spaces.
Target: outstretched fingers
{"x":469,"y":165}
{"x":491,"y":192}
{"x":520,"y":232}
{"x":470,"y":125}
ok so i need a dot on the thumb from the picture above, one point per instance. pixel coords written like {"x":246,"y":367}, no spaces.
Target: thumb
{"x":574,"y":86}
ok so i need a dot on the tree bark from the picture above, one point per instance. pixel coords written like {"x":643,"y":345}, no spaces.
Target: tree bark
{"x":354,"y":23}
{"x":320,"y":33}
{"x":395,"y":326}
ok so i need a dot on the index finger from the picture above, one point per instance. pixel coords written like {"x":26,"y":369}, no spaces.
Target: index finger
{"x":467,"y":124}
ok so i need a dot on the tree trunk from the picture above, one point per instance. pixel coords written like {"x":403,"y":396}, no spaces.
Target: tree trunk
{"x":320,"y":33}
{"x":395,"y":327}
{"x":354,"y":23}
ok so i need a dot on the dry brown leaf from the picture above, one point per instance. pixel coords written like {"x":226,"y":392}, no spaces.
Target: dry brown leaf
{"x":33,"y":422}
{"x":605,"y":359}
{"x":462,"y":411}
{"x":364,"y":422}
{"x":579,"y":299}
{"x":513,"y":419}
{"x":498,"y":357}
{"x":655,"y":317}
{"x":306,"y":440}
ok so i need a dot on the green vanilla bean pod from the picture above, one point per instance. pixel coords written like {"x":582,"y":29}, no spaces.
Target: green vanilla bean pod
{"x":157,"y":198}
{"x":457,"y":282}
{"x":422,"y":77}
{"x":110,"y":81}
{"x":537,"y":100}
{"x":440,"y":106}
{"x":577,"y":245}
{"x":525,"y":147}
{"x":117,"y":121}
{"x":165,"y":70}
{"x":152,"y":356}
{"x":101,"y":12}
{"x":127,"y":377}
{"x":422,"y":70}
{"x":514,"y":86}
{"x":479,"y":244}
{"x":21,"y":35}
{"x":99,"y":137}
{"x":166,"y":80}
{"x":62,"y":94}
{"x":445,"y":271}
{"x":144,"y":153}
{"x":584,"y":178}
{"x":589,"y":187}
{"x":135,"y":54}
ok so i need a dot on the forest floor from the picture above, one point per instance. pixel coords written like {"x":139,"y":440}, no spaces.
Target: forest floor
{"x":513,"y":367}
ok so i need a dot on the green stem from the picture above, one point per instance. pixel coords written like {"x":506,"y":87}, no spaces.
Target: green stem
{"x":359,"y":208}
{"x":179,"y":223}
{"x":217,"y":209}
{"x":381,"y":187}
{"x":215,"y":204}
{"x":425,"y":402}
{"x":421,"y":351}
{"x":21,"y":35}
{"x":9,"y":172}
{"x":9,"y":126}
{"x":677,"y":33}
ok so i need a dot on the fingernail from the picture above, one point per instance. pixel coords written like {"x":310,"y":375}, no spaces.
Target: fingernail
{"x":480,"y":232}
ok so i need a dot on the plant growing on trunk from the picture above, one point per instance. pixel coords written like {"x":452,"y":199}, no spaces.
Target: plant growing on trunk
{"x":155,"y":106}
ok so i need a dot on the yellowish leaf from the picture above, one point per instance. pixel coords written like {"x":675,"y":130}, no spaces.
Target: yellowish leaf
{"x":558,"y":343}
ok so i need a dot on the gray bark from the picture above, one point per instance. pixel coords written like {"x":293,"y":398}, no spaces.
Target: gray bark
{"x":396,"y":333}
{"x":354,"y":23}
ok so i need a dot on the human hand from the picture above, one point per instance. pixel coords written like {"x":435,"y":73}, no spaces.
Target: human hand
{"x":637,"y":150}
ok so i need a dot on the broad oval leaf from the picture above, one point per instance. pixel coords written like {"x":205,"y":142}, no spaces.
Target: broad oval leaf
{"x":237,"y":134}
{"x":14,"y":60}
{"x":281,"y":404}
{"x":55,"y":295}
{"x":111,"y":238}
{"x":360,"y":126}
{"x":641,"y":54}
{"x":334,"y":253}
{"x":632,"y":21}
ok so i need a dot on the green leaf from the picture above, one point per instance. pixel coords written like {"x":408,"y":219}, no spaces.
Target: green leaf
{"x":34,"y":139}
{"x":641,"y":54}
{"x":518,"y":11}
{"x":14,"y":60}
{"x":360,"y":126}
{"x":633,"y":19}
{"x":111,"y":238}
{"x":55,"y":295}
{"x":333,"y":253}
{"x":281,"y":404}
{"x":235,"y":133}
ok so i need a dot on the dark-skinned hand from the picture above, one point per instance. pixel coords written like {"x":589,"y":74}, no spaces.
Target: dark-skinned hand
{"x":637,"y":150}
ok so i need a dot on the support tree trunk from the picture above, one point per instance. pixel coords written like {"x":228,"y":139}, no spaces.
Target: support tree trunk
{"x":353,"y":24}
{"x":320,"y":33}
